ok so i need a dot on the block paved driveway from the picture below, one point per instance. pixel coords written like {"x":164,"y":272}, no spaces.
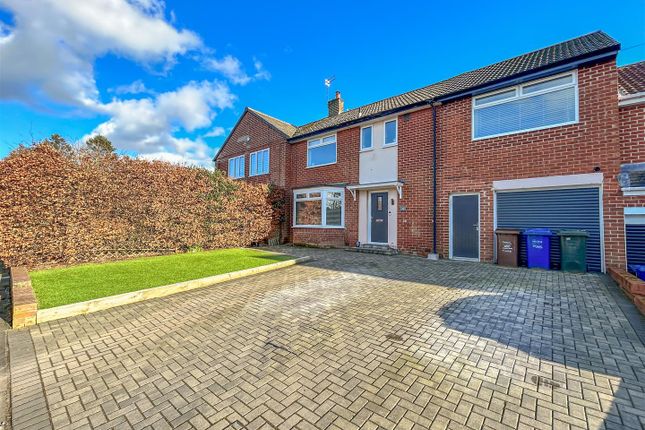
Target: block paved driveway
{"x":347,"y":341}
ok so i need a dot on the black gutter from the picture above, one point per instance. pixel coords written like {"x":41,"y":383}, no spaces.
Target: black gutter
{"x":485,"y":87}
{"x":434,"y":178}
{"x":537,"y":73}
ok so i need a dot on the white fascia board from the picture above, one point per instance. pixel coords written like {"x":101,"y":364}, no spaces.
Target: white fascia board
{"x":563,"y":181}
{"x":631,"y":99}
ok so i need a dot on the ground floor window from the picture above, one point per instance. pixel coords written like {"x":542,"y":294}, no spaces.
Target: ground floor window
{"x":319,"y":207}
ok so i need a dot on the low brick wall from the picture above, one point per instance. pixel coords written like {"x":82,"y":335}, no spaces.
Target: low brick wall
{"x":325,"y":237}
{"x":633,"y":287}
{"x":23,"y":299}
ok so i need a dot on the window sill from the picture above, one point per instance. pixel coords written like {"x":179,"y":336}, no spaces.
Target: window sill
{"x":321,"y":165}
{"x":259,"y":174}
{"x":367,"y":149}
{"x":335,"y":227}
{"x":388,"y":145}
{"x":634,"y":191}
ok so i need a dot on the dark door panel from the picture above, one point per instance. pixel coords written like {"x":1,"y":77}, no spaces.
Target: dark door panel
{"x":465,"y":226}
{"x":378,"y":222}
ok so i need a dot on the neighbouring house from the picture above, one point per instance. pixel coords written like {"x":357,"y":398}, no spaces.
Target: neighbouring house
{"x":554,"y":138}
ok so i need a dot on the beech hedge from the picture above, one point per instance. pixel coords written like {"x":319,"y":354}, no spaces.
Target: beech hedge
{"x":57,"y":208}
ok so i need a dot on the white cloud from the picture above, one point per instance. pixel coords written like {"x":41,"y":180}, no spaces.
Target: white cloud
{"x":233,"y":70}
{"x":215,"y":132}
{"x":230,"y":67}
{"x":136,"y":87}
{"x":48,"y":56}
{"x":260,"y":72}
{"x":146,"y":126}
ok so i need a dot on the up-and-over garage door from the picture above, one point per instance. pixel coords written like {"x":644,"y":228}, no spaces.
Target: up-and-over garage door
{"x":558,"y":209}
{"x":635,"y":235}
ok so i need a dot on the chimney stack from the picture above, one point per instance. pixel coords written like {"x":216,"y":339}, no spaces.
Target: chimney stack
{"x":335,"y":105}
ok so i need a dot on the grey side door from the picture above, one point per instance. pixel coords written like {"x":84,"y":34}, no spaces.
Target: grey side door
{"x":465,"y":226}
{"x":378,"y":222}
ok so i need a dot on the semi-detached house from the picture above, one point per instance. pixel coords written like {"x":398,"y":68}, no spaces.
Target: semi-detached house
{"x":553,"y":138}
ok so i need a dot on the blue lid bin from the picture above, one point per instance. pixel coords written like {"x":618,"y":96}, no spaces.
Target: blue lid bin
{"x":638,"y":270}
{"x":538,"y":247}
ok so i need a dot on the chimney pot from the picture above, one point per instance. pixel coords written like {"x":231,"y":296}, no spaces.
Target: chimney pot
{"x":335,"y":105}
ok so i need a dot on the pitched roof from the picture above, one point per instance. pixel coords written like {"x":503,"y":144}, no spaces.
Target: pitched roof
{"x":631,"y":79}
{"x":571,"y":50}
{"x":580,"y":48}
{"x":280,"y":126}
{"x":284,"y":127}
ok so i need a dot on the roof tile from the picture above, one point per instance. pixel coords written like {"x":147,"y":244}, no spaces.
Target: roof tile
{"x":539,"y":59}
{"x":631,"y":79}
{"x":553,"y":55}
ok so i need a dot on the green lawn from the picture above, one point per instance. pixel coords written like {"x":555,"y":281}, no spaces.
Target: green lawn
{"x":56,"y":287}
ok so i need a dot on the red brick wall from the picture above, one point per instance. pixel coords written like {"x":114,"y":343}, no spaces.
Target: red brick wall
{"x":632,"y":145}
{"x":601,"y":139}
{"x":632,"y":133}
{"x":414,"y":224}
{"x":465,"y":165}
{"x":344,"y":172}
{"x":262,"y":136}
{"x":319,"y":236}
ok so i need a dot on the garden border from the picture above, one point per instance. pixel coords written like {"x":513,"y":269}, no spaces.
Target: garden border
{"x":23,"y":300}
{"x":94,"y":305}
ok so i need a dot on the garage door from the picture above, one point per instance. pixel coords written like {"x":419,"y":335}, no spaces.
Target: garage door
{"x":576,"y":208}
{"x":635,"y":243}
{"x":635,"y":235}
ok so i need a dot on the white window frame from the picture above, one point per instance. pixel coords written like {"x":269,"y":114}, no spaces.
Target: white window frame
{"x":396,"y":133}
{"x":323,"y":201}
{"x":256,"y":153}
{"x":369,"y":148}
{"x":519,"y":95}
{"x":234,"y":159}
{"x":321,"y":138}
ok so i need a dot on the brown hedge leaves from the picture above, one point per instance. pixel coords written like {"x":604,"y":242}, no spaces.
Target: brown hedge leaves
{"x":59,"y":209}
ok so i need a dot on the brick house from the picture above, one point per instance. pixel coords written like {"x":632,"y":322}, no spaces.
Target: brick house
{"x":554,"y":138}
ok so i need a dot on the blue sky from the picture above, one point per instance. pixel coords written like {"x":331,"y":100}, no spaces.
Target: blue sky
{"x":169,"y":80}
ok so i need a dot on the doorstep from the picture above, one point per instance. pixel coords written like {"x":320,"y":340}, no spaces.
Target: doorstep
{"x":369,"y":248}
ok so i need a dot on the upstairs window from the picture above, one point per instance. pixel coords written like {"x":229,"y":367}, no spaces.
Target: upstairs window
{"x":236,"y":167}
{"x":321,"y":152}
{"x":259,"y":163}
{"x":532,"y":106}
{"x":366,"y":138}
{"x":390,"y":132}
{"x":319,"y":208}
